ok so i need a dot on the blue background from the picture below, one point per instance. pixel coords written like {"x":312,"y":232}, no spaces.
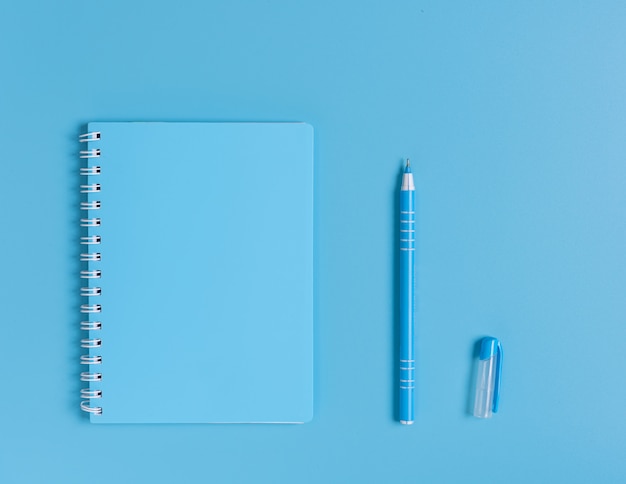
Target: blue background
{"x":514,"y":114}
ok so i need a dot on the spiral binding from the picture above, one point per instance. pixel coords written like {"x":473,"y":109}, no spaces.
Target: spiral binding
{"x":91,"y":274}
{"x":90,"y":205}
{"x":90,"y":325}
{"x":90,"y":222}
{"x":88,"y":291}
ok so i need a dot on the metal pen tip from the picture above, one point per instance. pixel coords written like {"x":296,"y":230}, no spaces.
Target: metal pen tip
{"x":408,"y":162}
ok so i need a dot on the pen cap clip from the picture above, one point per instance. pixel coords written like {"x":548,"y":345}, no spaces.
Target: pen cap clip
{"x":496,"y":389}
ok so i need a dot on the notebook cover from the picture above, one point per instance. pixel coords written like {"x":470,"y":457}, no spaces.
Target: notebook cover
{"x":207,"y":272}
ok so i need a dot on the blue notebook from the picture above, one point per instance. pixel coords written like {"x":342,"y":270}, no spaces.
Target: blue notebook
{"x":197,"y":272}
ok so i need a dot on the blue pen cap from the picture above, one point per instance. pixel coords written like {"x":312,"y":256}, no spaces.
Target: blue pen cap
{"x":487,"y":398}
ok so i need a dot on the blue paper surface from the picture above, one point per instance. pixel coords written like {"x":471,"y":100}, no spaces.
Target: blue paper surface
{"x":513,"y":115}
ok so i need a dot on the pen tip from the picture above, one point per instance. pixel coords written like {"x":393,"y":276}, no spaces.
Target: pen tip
{"x":408,"y":162}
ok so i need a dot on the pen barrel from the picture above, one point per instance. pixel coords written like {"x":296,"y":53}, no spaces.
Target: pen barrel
{"x":407,"y":305}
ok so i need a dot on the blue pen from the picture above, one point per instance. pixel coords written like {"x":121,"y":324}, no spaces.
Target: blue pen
{"x":407,"y":288}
